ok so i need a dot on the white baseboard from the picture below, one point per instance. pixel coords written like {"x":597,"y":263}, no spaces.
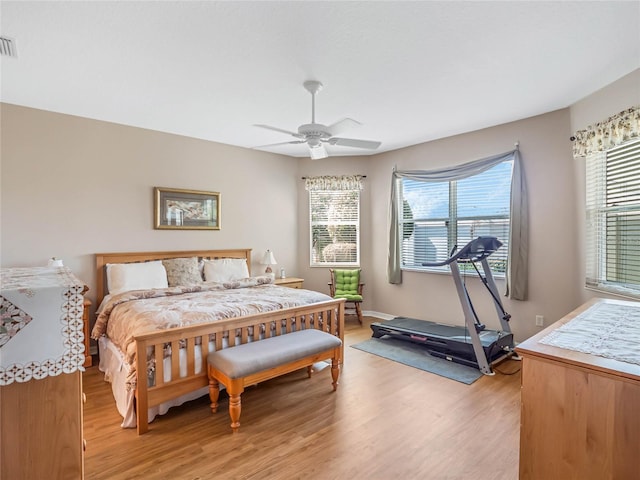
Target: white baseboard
{"x":382,"y":316}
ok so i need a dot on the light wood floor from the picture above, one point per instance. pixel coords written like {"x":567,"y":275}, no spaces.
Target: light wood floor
{"x":386,"y":421}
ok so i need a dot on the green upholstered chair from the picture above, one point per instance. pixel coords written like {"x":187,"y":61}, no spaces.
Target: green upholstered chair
{"x":346,"y":284}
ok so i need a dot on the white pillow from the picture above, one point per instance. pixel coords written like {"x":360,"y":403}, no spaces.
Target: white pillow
{"x":225,"y":269}
{"x":122,"y":277}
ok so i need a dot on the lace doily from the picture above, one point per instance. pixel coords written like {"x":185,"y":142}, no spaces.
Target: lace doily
{"x":605,"y":329}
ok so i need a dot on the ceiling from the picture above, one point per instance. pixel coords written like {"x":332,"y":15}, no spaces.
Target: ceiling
{"x":410,"y":72}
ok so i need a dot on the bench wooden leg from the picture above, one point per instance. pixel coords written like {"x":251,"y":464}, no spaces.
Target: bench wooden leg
{"x":235,"y":407}
{"x":335,"y":371}
{"x":309,"y":370}
{"x":214,"y":393}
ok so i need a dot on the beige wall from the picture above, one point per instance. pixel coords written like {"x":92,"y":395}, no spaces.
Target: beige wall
{"x":546,"y":155}
{"x":546,"y":152}
{"x":72,"y":187}
{"x":604,"y":103}
{"x":614,"y":98}
{"x":316,"y":278}
{"x":556,"y":196}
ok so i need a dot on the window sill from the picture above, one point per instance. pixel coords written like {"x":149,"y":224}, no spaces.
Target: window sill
{"x":496,"y":276}
{"x":336,"y":265}
{"x":612,"y":292}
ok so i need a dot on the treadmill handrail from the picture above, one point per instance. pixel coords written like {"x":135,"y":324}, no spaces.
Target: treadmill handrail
{"x":473,"y":251}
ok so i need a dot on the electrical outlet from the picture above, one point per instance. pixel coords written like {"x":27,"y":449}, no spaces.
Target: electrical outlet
{"x":539,"y":320}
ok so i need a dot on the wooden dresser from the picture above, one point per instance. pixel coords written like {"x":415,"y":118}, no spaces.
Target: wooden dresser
{"x":41,"y":374}
{"x":580,"y":412}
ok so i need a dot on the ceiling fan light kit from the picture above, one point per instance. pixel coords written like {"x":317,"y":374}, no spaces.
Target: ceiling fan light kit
{"x":318,"y":152}
{"x":315,"y":135}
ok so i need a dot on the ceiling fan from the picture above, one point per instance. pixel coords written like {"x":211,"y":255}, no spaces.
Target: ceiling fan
{"x":315,"y":135}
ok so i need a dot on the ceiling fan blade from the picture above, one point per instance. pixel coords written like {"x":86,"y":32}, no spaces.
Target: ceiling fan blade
{"x":281,"y":130}
{"x":318,"y":152}
{"x":352,"y":142}
{"x":293,"y":142}
{"x":342,"y":125}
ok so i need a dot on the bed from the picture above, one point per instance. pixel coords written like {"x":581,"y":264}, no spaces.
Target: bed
{"x":176,"y":326}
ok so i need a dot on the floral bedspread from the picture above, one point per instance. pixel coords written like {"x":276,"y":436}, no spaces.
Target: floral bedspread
{"x":133,"y":313}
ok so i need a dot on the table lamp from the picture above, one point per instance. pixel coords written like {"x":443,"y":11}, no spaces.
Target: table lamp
{"x":269,"y":260}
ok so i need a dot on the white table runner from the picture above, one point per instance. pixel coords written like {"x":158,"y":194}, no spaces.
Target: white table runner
{"x":606,"y":329}
{"x":41,"y":328}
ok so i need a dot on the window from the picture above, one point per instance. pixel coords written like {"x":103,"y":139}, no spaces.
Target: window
{"x":613,"y":220}
{"x":334,"y":218}
{"x":437,"y":216}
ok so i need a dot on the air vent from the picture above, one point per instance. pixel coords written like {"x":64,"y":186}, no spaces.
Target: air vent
{"x":8,"y":47}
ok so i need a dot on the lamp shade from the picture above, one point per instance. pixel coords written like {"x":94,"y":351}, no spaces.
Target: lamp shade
{"x":268,"y":258}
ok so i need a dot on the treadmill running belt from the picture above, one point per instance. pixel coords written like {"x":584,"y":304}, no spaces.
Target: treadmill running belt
{"x":424,"y":326}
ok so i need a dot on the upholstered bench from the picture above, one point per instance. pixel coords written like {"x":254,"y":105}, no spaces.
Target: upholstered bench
{"x":254,"y":362}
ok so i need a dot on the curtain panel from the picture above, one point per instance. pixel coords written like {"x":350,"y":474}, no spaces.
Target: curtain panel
{"x":610,"y":133}
{"x":518,"y":255}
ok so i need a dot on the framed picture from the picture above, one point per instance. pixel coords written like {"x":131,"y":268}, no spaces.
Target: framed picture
{"x":186,"y":209}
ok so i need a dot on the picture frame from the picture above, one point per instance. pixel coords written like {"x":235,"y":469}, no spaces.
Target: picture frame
{"x":179,"y":209}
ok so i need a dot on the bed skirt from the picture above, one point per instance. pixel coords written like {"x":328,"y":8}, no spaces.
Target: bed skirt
{"x":116,"y":371}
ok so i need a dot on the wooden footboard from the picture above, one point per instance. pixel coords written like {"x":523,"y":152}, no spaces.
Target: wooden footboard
{"x":326,"y":316}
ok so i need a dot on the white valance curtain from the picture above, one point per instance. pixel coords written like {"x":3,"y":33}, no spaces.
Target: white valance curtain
{"x":327,"y":182}
{"x":517,"y":270}
{"x":610,"y":133}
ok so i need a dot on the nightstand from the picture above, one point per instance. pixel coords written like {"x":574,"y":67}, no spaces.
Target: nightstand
{"x":291,"y":282}
{"x":87,"y":338}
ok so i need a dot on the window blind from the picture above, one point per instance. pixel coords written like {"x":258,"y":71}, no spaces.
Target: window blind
{"x":335,"y":227}
{"x":438,"y":216}
{"x":613,"y":220}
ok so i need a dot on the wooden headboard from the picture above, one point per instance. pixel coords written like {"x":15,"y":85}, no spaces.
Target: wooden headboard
{"x":102,"y":259}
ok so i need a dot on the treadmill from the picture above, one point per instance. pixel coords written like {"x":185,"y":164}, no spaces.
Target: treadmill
{"x":472,"y":344}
